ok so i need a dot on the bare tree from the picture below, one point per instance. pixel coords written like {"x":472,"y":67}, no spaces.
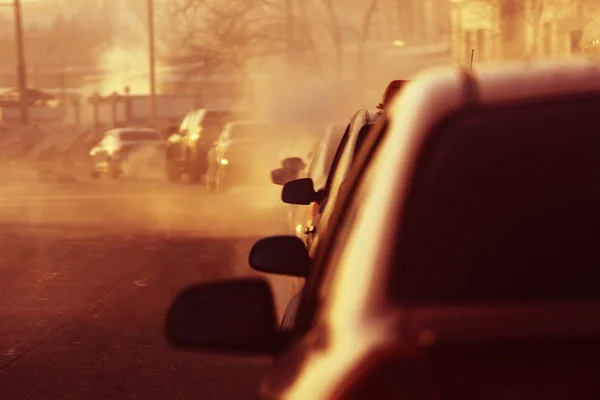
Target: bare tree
{"x":215,"y":34}
{"x":311,"y":34}
{"x":364,"y":36}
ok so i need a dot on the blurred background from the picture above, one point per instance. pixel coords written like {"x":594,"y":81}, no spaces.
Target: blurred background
{"x":88,"y":59}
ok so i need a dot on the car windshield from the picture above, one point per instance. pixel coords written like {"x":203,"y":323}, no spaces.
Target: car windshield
{"x":253,"y":131}
{"x":505,"y":207}
{"x":132,"y":136}
{"x":214,"y":121}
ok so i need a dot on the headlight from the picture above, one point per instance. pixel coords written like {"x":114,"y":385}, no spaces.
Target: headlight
{"x":224,"y":161}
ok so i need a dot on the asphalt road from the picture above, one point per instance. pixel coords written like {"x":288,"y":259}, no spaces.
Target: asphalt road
{"x":88,"y":270}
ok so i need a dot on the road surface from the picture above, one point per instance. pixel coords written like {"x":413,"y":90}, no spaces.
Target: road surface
{"x":88,"y":270}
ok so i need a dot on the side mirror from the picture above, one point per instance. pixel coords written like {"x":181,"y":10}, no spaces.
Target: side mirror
{"x":295,"y":163}
{"x":281,"y":255}
{"x":233,"y":316}
{"x":299,"y":191}
{"x":281,"y":176}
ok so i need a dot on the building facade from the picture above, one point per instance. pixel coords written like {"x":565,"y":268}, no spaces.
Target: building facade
{"x":518,"y":29}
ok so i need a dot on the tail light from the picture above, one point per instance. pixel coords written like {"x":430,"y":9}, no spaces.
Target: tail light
{"x":391,"y":374}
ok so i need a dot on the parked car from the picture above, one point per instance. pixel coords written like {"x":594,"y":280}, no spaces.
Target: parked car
{"x":321,"y":194}
{"x":317,"y":169}
{"x":304,"y":192}
{"x":118,"y":145}
{"x":461,"y":260}
{"x":187,"y":149}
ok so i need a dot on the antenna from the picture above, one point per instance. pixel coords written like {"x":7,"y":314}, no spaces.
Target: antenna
{"x":472,"y":54}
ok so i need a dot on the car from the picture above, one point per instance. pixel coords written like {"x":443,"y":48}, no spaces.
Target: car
{"x":321,"y":202}
{"x":118,"y":145}
{"x":318,"y":193}
{"x":187,"y":149}
{"x":304,"y":192}
{"x":461,"y":260}
{"x":243,"y":152}
{"x":317,"y":169}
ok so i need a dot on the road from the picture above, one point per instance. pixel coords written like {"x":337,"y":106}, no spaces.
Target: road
{"x":88,"y":270}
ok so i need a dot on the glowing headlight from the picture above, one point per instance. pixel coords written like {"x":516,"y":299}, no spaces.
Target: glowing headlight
{"x":224,"y":161}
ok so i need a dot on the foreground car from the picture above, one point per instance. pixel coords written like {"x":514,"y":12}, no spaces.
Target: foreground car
{"x":461,"y":260}
{"x":117,"y":146}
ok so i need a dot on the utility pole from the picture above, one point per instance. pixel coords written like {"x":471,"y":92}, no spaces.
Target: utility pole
{"x":152,"y":62}
{"x":21,"y":67}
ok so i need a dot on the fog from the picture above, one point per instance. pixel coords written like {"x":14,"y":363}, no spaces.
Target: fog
{"x":303,"y":68}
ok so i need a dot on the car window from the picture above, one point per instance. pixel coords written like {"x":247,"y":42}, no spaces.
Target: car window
{"x":364,"y":131}
{"x":338,"y":156}
{"x":317,"y":160}
{"x":254,"y":131}
{"x":346,"y":159}
{"x":213,"y":122}
{"x":331,"y":148}
{"x":505,"y":207}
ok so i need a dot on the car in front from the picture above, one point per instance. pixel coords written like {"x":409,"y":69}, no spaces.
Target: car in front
{"x":188,"y":147}
{"x":244,"y":152}
{"x":118,"y":146}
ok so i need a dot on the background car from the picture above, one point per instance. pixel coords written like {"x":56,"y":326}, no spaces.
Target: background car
{"x":243,"y":153}
{"x":118,"y":145}
{"x":187,"y":149}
